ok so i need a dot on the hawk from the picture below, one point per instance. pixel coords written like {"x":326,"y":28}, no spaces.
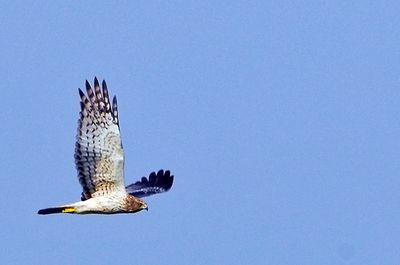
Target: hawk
{"x":99,"y":159}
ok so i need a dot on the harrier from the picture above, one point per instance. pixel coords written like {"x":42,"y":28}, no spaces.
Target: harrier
{"x":99,"y":159}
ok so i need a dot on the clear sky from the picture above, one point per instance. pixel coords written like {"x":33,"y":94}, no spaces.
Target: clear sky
{"x":279,"y":119}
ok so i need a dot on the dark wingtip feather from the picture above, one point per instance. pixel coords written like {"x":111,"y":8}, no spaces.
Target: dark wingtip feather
{"x":81,"y":94}
{"x":169,"y":180}
{"x":96,"y":82}
{"x":155,"y":183}
{"x":161,"y":179}
{"x":152,"y":178}
{"x":88,"y":85}
{"x":106,"y":96}
{"x":115,"y":110}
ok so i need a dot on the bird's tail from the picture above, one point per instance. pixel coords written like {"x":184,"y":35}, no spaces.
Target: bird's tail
{"x":61,"y":209}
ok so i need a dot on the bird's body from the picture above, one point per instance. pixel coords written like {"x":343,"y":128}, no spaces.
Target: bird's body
{"x":108,"y":204}
{"x":99,"y":160}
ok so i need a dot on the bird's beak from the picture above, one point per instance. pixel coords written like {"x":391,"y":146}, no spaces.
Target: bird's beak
{"x":145,"y":207}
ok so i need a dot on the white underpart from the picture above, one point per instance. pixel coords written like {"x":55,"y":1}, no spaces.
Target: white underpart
{"x":109,"y":203}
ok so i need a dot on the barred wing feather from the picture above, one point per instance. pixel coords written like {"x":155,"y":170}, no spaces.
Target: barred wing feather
{"x":156,"y":183}
{"x":99,"y":155}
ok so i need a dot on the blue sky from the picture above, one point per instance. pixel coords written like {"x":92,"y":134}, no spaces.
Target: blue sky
{"x":279,"y":119}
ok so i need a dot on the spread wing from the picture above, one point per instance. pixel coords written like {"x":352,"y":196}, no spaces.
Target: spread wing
{"x":156,"y":183}
{"x":99,"y":156}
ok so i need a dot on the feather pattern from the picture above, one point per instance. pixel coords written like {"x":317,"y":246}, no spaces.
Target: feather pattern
{"x":99,"y":159}
{"x":99,"y":156}
{"x":156,"y":183}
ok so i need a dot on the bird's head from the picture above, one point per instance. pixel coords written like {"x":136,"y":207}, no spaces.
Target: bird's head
{"x":135,"y":204}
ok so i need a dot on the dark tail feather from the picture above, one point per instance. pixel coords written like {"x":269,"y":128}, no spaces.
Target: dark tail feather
{"x":57,"y":210}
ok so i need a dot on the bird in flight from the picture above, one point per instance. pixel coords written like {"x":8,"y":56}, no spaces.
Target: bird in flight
{"x":99,"y":159}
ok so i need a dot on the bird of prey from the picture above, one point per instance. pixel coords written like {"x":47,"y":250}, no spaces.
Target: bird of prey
{"x":99,"y":159}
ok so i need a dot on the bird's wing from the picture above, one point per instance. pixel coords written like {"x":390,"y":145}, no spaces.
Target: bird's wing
{"x":99,"y":156}
{"x":156,"y":183}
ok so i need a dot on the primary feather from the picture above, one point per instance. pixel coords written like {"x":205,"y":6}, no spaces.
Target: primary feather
{"x":156,"y":183}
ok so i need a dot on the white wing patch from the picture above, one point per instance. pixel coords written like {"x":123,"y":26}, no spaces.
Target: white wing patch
{"x":99,"y":156}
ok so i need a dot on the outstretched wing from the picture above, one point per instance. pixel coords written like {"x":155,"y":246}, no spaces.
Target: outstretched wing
{"x":99,"y":156}
{"x":157,"y":183}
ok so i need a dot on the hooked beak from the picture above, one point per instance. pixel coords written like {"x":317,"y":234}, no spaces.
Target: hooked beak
{"x":145,"y":207}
